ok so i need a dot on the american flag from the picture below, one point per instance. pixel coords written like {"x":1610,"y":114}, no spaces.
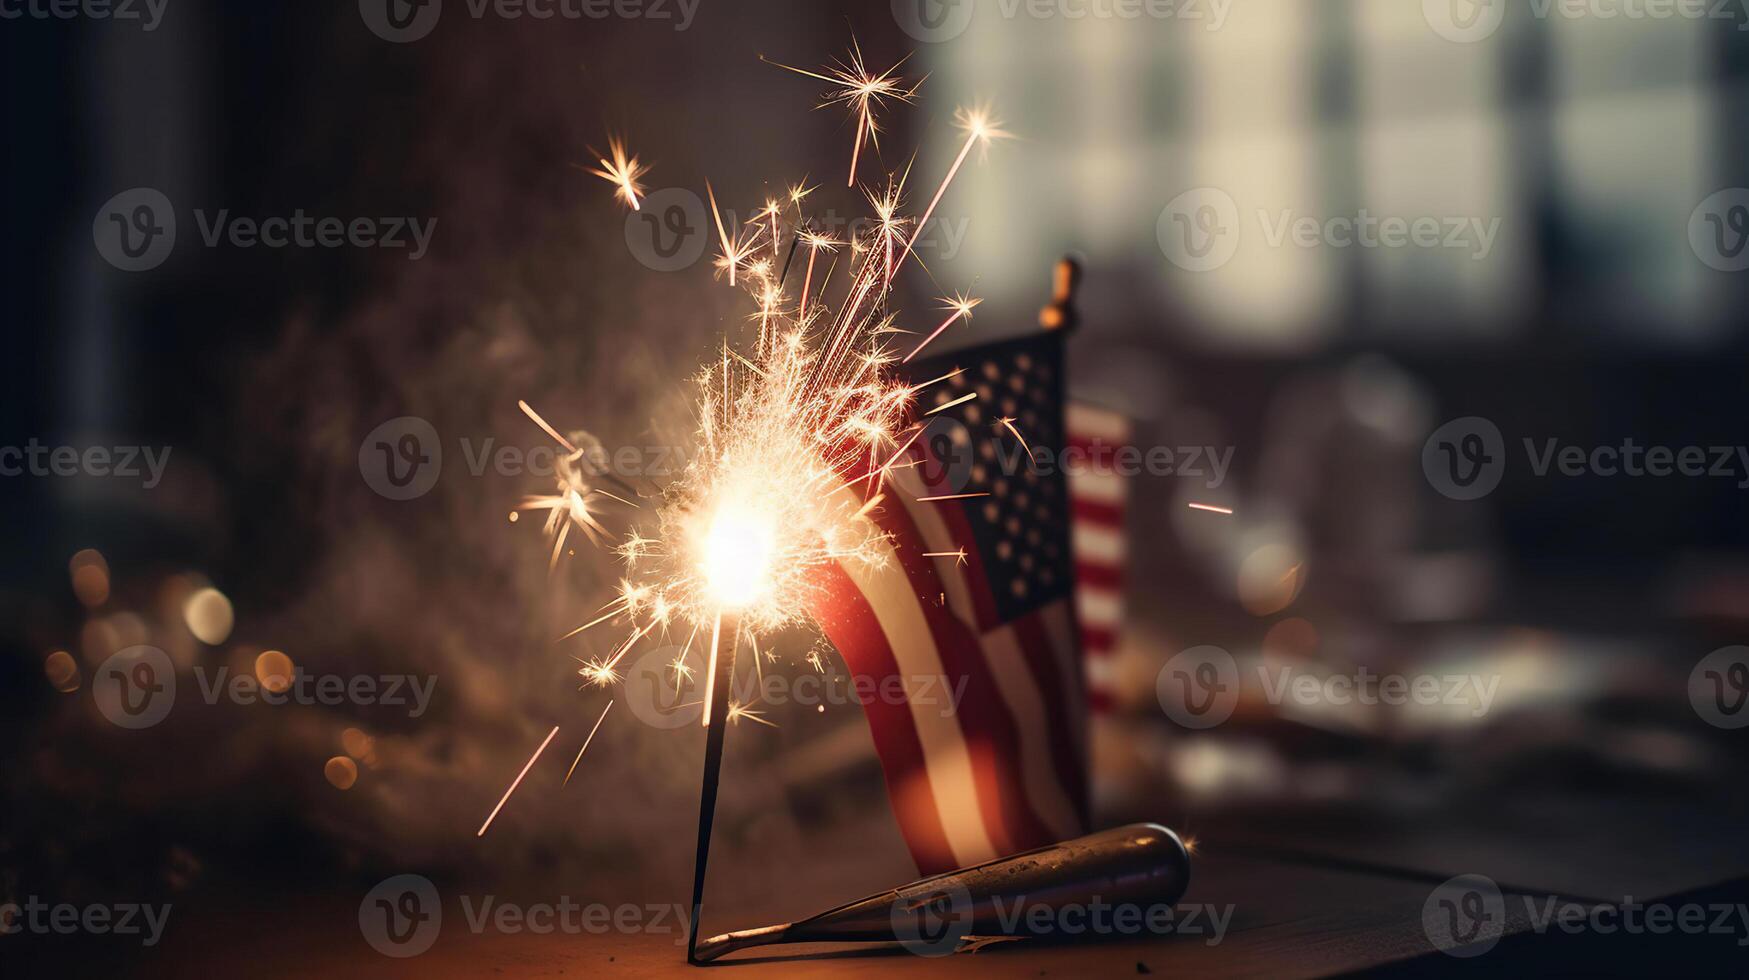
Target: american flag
{"x":978,"y":588}
{"x":1100,"y":497}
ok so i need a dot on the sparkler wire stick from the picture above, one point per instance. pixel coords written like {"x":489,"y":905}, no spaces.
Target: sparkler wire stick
{"x":716,"y":709}
{"x":790,"y":257}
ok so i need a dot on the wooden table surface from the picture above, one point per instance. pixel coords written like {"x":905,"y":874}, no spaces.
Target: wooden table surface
{"x":1288,"y":918}
{"x":1305,"y":896}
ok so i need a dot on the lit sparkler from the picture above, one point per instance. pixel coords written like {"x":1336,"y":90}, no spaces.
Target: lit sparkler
{"x":789,"y":427}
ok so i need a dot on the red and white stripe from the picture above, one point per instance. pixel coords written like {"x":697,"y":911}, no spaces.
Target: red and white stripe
{"x":1004,"y":770}
{"x":1098,"y":497}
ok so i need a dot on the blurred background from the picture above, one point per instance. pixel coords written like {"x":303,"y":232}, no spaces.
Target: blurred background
{"x":1215,"y":165}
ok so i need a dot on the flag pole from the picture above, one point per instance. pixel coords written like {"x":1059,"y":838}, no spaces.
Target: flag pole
{"x":718,"y":675}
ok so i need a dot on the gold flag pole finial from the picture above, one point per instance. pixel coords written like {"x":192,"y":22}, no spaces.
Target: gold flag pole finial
{"x":1061,"y":314}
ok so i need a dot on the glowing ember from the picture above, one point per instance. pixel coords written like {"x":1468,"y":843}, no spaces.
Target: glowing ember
{"x":961,"y":307}
{"x":586,"y":742}
{"x":517,"y":782}
{"x":623,"y":171}
{"x":863,"y":92}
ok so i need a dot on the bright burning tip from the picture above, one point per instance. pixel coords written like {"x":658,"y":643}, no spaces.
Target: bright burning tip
{"x":737,"y":556}
{"x":979,"y":124}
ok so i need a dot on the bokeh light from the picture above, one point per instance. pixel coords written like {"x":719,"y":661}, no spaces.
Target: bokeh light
{"x":274,"y":671}
{"x":208,"y":615}
{"x":90,"y":574}
{"x":341,"y":772}
{"x":62,"y":671}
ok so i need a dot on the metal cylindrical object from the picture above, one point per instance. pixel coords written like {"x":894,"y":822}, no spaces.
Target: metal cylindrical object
{"x":1142,"y":865}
